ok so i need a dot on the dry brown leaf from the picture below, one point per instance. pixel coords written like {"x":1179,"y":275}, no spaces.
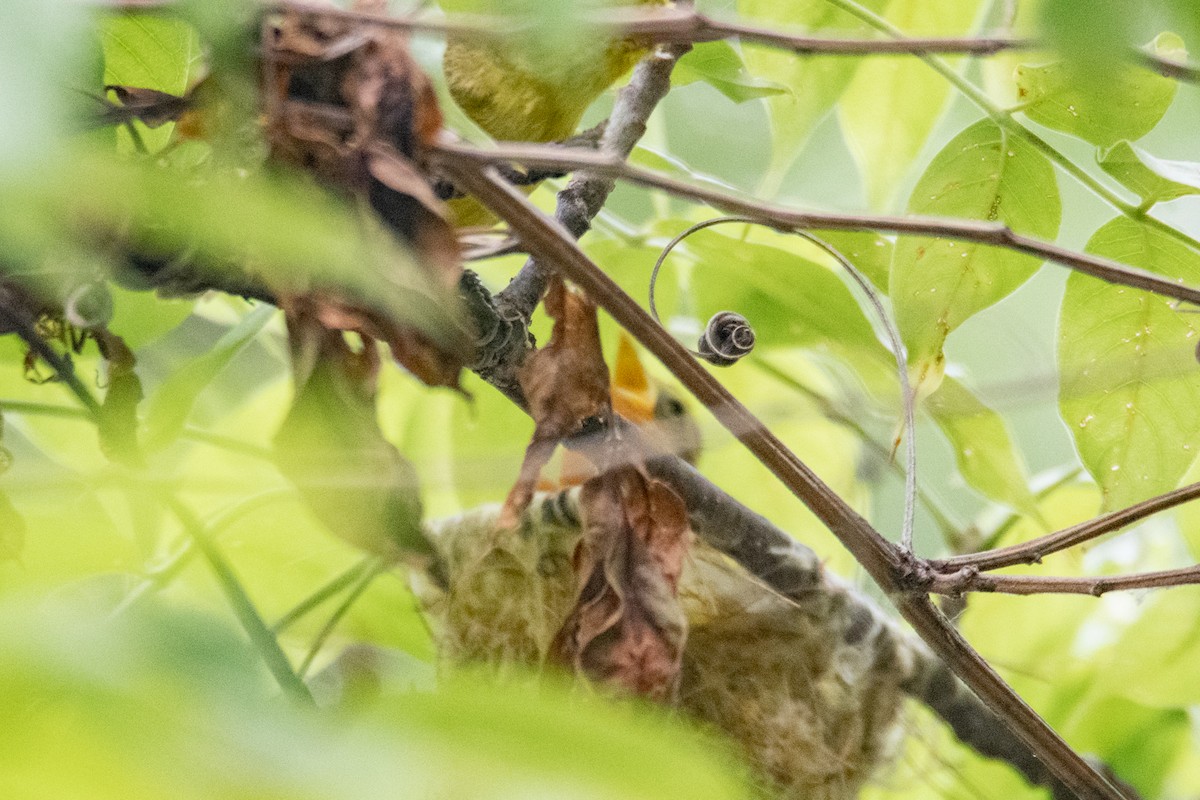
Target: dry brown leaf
{"x":566,"y":385}
{"x":118,"y":421}
{"x":627,"y":627}
{"x":409,"y":348}
{"x":347,"y":102}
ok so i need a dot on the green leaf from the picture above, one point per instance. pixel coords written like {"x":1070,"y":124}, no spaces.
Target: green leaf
{"x":1125,"y":106}
{"x":1129,"y":387}
{"x":171,"y":404}
{"x":720,"y":66}
{"x":937,"y":284}
{"x":814,"y":83}
{"x":1167,"y":634}
{"x":1090,"y":31}
{"x":142,"y":317}
{"x":12,"y":530}
{"x":1139,"y":743}
{"x":893,"y":104}
{"x":149,"y":51}
{"x":1152,"y":179}
{"x":984,"y":449}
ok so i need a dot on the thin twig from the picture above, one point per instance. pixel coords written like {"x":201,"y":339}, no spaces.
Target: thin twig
{"x":784,"y":218}
{"x":162,"y":575}
{"x":1032,"y":551}
{"x":323,"y":593}
{"x":374,"y":568}
{"x":18,"y":319}
{"x":681,"y":24}
{"x":971,"y":580}
{"x":243,"y":608}
{"x":550,"y":242}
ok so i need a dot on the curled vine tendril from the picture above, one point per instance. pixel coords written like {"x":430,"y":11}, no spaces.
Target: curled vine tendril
{"x":728,"y":337}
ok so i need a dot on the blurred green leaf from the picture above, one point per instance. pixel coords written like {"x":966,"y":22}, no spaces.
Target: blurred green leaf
{"x":293,"y":236}
{"x":1152,"y":179}
{"x":171,"y":404}
{"x":331,"y":448}
{"x":721,"y":67}
{"x":142,"y":317}
{"x":936,"y":284}
{"x":1127,"y":105}
{"x":160,"y":703}
{"x":814,"y":82}
{"x":983,"y":446}
{"x":893,"y":104}
{"x":12,"y":530}
{"x":1128,"y":372}
{"x":1088,"y":31}
{"x":1139,"y":743}
{"x":1167,"y":635}
{"x":41,"y":51}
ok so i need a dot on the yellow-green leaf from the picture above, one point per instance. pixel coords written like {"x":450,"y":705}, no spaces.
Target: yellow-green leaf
{"x":814,"y":82}
{"x":1126,"y":106}
{"x":984,"y":449}
{"x":1152,"y":179}
{"x":893,"y":104}
{"x":936,"y":284}
{"x":1130,"y":384}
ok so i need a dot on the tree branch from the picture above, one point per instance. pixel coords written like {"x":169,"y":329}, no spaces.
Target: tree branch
{"x":969,"y":579}
{"x":1034,"y":550}
{"x":784,"y":218}
{"x":686,"y":25}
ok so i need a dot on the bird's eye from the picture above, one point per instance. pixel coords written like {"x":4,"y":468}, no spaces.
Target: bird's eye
{"x":670,"y":407}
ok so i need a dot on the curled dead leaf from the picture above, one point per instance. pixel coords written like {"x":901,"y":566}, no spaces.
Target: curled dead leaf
{"x":118,"y":423}
{"x":567,"y":387}
{"x":627,"y":627}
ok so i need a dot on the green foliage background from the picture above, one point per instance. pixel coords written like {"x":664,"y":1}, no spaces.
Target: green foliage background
{"x":126,"y":669}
